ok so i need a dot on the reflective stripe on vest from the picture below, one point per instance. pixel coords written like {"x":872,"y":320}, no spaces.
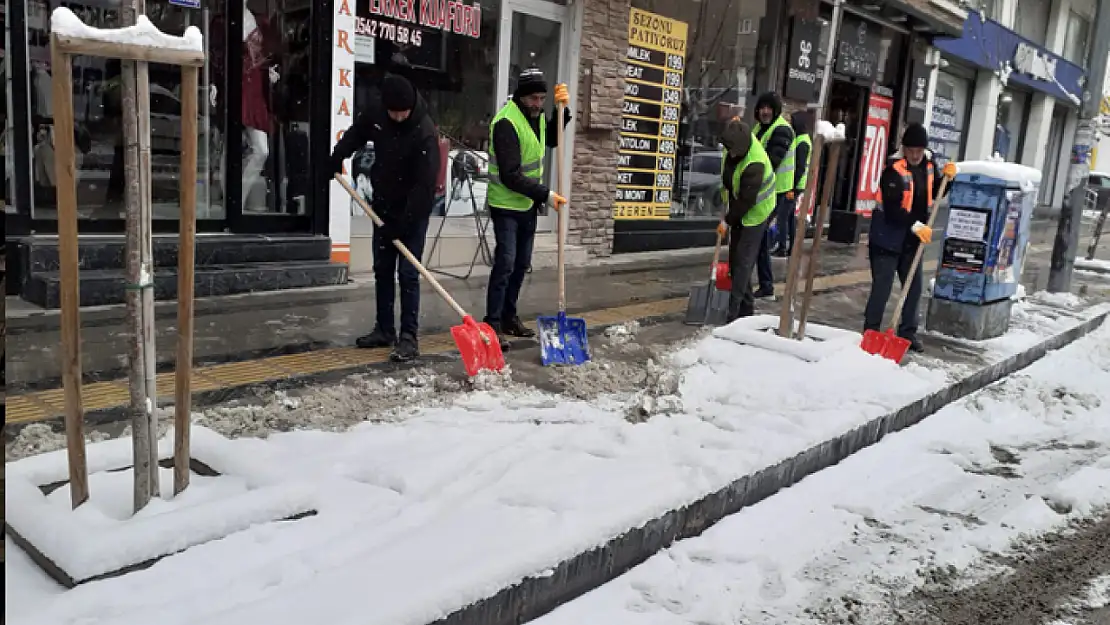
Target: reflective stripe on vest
{"x":531,"y":158}
{"x":798,"y":140}
{"x":903,"y":169}
{"x":784,"y":175}
{"x":765,"y":199}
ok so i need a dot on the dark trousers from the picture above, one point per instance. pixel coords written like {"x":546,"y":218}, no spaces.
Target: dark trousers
{"x":390,"y":269}
{"x":787,"y":223}
{"x":745,"y":244}
{"x":763,"y":261}
{"x":884,"y":266}
{"x":515,"y":234}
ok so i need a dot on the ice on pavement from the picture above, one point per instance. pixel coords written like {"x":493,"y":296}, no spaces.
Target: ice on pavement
{"x":838,"y":545}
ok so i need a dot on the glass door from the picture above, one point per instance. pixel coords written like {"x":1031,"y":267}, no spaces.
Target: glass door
{"x":533,"y":35}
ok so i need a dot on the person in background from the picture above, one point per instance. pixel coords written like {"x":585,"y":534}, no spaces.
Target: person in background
{"x":802,"y":148}
{"x":403,"y":177}
{"x":777,"y":139}
{"x":519,"y":139}
{"x":908,"y":189}
{"x":748,"y":189}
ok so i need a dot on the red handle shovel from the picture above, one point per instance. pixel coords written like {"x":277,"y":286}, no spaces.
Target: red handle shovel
{"x":477,"y":342}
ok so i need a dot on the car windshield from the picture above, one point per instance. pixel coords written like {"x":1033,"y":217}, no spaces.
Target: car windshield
{"x":706,"y":163}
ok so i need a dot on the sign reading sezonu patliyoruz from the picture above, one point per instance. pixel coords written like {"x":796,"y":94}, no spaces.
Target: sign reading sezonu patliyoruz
{"x":651,"y":111}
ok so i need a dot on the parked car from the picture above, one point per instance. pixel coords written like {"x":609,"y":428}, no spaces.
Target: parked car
{"x":703,"y":182}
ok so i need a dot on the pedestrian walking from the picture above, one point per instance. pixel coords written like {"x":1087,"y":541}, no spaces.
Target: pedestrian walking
{"x":908,"y":189}
{"x":776,"y":137}
{"x":748,"y":180}
{"x":403,"y":178}
{"x":518,"y":139}
{"x":802,"y":148}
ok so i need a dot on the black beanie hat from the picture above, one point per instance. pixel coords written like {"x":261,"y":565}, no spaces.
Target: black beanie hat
{"x":397,"y":93}
{"x":915,"y":136}
{"x":530,"y":81}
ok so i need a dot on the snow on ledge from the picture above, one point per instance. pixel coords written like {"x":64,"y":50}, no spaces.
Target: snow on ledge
{"x":1011,"y":172}
{"x":144,"y":33}
{"x":759,"y":331}
{"x":831,"y":133}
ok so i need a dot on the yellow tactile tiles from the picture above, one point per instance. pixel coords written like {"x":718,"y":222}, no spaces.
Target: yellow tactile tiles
{"x":41,"y":405}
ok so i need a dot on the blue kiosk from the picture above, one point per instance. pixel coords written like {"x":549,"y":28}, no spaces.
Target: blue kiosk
{"x":983,"y":251}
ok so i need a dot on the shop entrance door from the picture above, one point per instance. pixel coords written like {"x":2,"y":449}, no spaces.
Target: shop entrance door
{"x":1051,"y":167}
{"x":848,"y":106}
{"x":532,"y":33}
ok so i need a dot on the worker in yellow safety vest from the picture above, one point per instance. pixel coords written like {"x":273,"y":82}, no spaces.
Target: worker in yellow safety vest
{"x":519,"y":139}
{"x":777,"y":139}
{"x":787,"y":219}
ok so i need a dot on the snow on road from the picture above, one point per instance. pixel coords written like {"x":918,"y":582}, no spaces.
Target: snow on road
{"x":927,"y":507}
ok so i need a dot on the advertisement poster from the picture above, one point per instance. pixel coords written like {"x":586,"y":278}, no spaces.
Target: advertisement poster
{"x":967,"y":225}
{"x":656,"y":62}
{"x":873,"y":153}
{"x":944,"y":134}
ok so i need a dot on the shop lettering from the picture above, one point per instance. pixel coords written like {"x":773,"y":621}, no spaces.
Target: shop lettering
{"x":636,"y":143}
{"x":629,"y":125}
{"x":634,"y":71}
{"x":450,"y":15}
{"x":878,"y":112}
{"x":445,"y":15}
{"x":797,"y":74}
{"x":631,"y":108}
{"x":1034,"y":62}
{"x":401,"y":10}
{"x":638,"y":54}
{"x":633,"y":195}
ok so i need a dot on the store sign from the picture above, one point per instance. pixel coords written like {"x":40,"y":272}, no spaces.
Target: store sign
{"x":873,"y":155}
{"x":919,"y":93}
{"x":801,"y":75}
{"x":990,"y":45}
{"x":858,"y":49}
{"x":342,"y":109}
{"x":945,"y":134}
{"x":651,"y":112}
{"x":416,"y":29}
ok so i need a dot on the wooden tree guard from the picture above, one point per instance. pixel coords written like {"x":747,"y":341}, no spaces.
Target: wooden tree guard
{"x":786,"y":317}
{"x":62,"y":50}
{"x":821,"y":212}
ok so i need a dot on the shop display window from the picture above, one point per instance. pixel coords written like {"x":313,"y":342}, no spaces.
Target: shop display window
{"x":1013,"y":107}
{"x":948,"y":123}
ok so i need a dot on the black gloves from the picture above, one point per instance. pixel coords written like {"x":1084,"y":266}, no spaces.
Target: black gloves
{"x":392,"y":230}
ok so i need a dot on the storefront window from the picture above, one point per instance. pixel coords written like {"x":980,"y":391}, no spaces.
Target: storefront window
{"x":1075,"y":43}
{"x":1008,"y":132}
{"x":722,"y":52}
{"x":1031,"y":20}
{"x":948,"y":125}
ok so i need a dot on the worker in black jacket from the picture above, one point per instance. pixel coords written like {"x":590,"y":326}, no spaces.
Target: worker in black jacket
{"x":908,"y":188}
{"x":777,"y":138}
{"x":403,"y":176}
{"x":520,"y":135}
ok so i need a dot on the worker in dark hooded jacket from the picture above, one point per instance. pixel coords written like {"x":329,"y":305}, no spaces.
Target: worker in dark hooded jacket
{"x":404,"y":174}
{"x":777,"y":139}
{"x":748,"y":190}
{"x":908,"y":188}
{"x":802,"y":148}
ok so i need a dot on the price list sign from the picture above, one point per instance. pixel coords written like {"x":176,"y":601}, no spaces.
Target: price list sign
{"x":652,"y":107}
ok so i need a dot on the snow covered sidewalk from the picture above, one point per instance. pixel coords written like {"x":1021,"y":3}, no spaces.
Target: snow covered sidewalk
{"x":448,"y":505}
{"x":849,"y":544}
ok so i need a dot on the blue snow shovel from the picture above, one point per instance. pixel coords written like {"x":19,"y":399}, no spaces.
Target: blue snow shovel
{"x":563,"y":339}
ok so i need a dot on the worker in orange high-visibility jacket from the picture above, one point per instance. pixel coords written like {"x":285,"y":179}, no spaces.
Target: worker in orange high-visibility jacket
{"x":907,"y":190}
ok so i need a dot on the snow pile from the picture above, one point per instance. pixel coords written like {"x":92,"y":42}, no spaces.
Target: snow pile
{"x":1095,"y":264}
{"x":832,"y":134}
{"x":65,"y":23}
{"x":1010,"y":172}
{"x":622,"y":333}
{"x":849,"y":544}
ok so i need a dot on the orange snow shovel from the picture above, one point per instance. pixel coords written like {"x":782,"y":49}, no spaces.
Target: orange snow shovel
{"x":888,"y":344}
{"x":477,"y":342}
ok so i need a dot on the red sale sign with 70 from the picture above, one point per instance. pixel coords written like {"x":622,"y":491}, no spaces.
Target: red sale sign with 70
{"x":873,"y":155}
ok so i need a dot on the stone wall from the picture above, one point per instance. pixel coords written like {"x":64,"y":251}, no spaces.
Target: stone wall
{"x":601,"y":89}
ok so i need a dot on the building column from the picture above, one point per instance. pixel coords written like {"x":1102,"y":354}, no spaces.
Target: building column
{"x":596,"y":144}
{"x":1036,"y":131}
{"x":984,"y":116}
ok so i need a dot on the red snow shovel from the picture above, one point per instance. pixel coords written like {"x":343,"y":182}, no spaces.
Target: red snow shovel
{"x":477,"y":342}
{"x":724,"y":281}
{"x":888,"y":344}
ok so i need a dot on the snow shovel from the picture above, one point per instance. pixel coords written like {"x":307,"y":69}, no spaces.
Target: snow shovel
{"x":477,"y":342}
{"x":888,"y":344}
{"x":708,"y":304}
{"x":563,"y":339}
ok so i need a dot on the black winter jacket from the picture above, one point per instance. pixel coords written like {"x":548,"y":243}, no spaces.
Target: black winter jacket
{"x":782,"y":138}
{"x":506,"y":149}
{"x":890,"y":225}
{"x":406,"y":161}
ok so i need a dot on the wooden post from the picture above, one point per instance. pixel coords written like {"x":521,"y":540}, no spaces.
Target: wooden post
{"x":822,"y":213}
{"x":786,"y":317}
{"x":186,"y":258}
{"x":68,"y":258}
{"x":146,"y":215}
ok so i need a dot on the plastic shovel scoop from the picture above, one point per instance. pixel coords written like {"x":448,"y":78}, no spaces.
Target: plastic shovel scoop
{"x":477,"y":342}
{"x":724,"y":281}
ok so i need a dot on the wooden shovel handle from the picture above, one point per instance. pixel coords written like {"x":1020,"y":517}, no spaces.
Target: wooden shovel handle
{"x":917,"y":259}
{"x":560,"y":214}
{"x":401,"y":247}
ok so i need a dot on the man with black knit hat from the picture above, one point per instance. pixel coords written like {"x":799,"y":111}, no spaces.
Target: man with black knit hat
{"x":519,"y":139}
{"x":908,"y":189}
{"x":403,"y":177}
{"x":777,"y":138}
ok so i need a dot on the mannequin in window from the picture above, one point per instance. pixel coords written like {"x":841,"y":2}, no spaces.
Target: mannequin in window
{"x":258,"y":74}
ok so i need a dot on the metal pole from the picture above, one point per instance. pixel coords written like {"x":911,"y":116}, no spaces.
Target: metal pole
{"x":1066,"y":245}
{"x":830,"y":57}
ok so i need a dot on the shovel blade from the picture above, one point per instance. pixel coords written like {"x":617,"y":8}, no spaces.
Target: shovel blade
{"x":707,"y":306}
{"x":563,"y":340}
{"x":724,"y":281}
{"x":479,"y":347}
{"x":885,"y":344}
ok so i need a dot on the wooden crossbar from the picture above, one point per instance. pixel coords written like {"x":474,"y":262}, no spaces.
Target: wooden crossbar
{"x":84,"y":46}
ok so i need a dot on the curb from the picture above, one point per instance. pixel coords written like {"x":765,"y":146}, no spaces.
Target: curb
{"x":535,"y":596}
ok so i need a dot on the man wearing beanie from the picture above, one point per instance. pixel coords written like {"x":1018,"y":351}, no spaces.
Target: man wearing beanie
{"x":908,"y":189}
{"x":403,"y":177}
{"x":519,"y":139}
